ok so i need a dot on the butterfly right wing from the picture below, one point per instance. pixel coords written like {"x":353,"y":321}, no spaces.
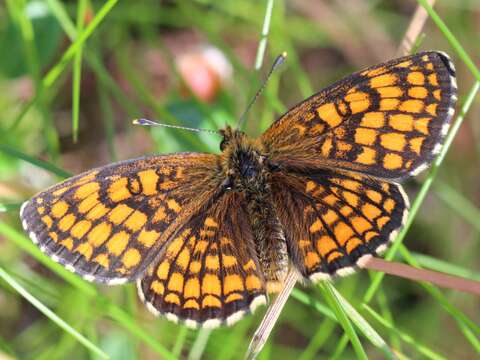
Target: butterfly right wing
{"x":387,"y":121}
{"x":209,"y":273}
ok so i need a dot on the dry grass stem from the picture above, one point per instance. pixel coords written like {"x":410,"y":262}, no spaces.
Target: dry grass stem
{"x":271,"y":316}
{"x":414,"y":29}
{"x":433,"y":277}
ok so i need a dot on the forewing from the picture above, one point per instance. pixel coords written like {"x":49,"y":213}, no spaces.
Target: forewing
{"x":209,"y":273}
{"x":109,"y":224}
{"x":334,"y":221}
{"x":387,"y":121}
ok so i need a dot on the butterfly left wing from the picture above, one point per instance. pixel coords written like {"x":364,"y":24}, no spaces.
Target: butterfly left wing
{"x":209,"y":273}
{"x":387,"y":121}
{"x":108,"y":224}
{"x":333,"y":221}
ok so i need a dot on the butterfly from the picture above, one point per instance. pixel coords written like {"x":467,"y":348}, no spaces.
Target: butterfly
{"x":207,"y":237}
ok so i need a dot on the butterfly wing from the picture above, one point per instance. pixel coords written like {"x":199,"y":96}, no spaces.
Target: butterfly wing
{"x":209,"y":273}
{"x":387,"y":121}
{"x":109,"y":224}
{"x":333,"y":221}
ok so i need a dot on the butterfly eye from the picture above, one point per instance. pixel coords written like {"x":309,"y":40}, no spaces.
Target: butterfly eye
{"x":272,"y":166}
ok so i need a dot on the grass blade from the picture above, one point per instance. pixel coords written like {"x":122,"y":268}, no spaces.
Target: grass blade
{"x":317,"y":305}
{"x":419,"y":275}
{"x":271,"y":316}
{"x":49,"y":79}
{"x":262,"y":45}
{"x":9,"y":207}
{"x":130,"y":324}
{"x":107,"y":119}
{"x":437,"y":295}
{"x":58,"y":10}
{"x":181,"y":337}
{"x":321,"y":336}
{"x":28,"y":246}
{"x":340,"y":348}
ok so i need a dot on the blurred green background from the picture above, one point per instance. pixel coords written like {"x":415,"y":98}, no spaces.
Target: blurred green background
{"x":66,"y":108}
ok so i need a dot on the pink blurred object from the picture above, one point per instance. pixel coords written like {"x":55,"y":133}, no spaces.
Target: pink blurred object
{"x":204,"y":70}
{"x":24,"y":88}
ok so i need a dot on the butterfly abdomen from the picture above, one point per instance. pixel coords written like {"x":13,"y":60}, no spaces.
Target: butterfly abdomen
{"x":270,"y":244}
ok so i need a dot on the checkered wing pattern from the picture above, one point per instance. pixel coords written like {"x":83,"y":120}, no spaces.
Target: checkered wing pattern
{"x":387,"y":121}
{"x":334,"y":221}
{"x":209,"y":273}
{"x":109,"y":224}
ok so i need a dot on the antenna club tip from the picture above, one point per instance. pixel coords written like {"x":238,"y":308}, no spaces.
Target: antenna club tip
{"x":143,"y":122}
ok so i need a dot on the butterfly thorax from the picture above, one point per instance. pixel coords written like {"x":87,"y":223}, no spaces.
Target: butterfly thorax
{"x":248,"y":172}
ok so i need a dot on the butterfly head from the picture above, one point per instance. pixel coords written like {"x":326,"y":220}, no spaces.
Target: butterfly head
{"x":243,"y":160}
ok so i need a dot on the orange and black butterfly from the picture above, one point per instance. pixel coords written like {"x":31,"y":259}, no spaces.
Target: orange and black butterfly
{"x":208,"y":236}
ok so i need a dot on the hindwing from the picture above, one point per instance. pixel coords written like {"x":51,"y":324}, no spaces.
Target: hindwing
{"x":209,"y":273}
{"x":333,"y":222}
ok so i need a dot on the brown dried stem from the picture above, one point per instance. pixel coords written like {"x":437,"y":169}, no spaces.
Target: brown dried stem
{"x":433,"y":277}
{"x":414,"y":29}
{"x":271,"y":316}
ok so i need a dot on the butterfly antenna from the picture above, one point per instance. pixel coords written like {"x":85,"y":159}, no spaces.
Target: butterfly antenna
{"x":146,"y":122}
{"x":278,"y":61}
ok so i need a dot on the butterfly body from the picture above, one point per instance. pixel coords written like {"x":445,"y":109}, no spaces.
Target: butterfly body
{"x":207,"y":236}
{"x":248,"y":172}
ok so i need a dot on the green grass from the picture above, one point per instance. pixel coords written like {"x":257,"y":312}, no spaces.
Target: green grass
{"x":357,"y":317}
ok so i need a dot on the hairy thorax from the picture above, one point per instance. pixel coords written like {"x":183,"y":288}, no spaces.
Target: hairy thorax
{"x":247,"y":171}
